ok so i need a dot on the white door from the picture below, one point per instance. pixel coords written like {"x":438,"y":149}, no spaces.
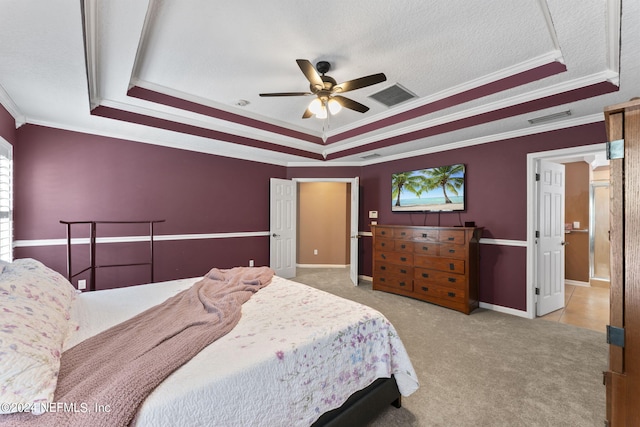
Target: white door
{"x":551,"y":240}
{"x":282,"y":228}
{"x":353,"y":255}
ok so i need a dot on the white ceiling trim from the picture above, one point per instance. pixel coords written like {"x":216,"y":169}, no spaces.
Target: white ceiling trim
{"x":578,"y":83}
{"x":580,"y":121}
{"x":198,"y":145}
{"x":544,"y":6}
{"x":548,"y":58}
{"x":208,"y":103}
{"x":206,"y":122}
{"x":12,"y":108}
{"x":91,"y":50}
{"x":614,"y":10}
{"x":142,"y":41}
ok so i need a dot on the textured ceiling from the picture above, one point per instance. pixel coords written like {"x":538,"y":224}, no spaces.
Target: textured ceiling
{"x":174,"y":73}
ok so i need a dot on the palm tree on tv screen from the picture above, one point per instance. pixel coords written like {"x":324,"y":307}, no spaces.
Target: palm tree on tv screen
{"x":406,"y":181}
{"x":443,"y":177}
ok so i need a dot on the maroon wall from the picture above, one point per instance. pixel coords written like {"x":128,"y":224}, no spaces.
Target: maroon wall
{"x":496,"y":199}
{"x":63,"y":175}
{"x":7,"y":126}
{"x":68,"y":175}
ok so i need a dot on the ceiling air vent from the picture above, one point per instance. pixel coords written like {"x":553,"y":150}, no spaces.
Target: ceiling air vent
{"x":370,"y":156}
{"x":548,"y":118}
{"x":393,"y":95}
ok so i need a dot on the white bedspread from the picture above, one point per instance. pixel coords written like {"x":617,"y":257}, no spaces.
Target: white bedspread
{"x":296,"y":353}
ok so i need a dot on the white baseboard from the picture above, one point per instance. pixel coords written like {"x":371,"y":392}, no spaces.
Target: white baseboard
{"x":322,"y":265}
{"x":506,"y":310}
{"x":577,"y":283}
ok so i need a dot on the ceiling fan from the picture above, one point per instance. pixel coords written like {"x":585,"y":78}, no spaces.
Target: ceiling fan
{"x":327,"y":90}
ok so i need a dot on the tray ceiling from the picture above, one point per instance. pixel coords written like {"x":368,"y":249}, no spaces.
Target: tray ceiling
{"x":188,"y":74}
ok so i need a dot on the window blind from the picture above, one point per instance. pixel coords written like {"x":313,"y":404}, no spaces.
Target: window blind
{"x":6,"y":201}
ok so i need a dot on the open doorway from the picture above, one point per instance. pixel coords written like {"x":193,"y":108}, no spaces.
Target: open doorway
{"x":585,"y":241}
{"x":283,"y":230}
{"x":323,"y":224}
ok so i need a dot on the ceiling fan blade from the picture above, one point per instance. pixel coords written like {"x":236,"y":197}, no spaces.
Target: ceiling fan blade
{"x":310,"y":73}
{"x":307,"y":114}
{"x":351,"y":104}
{"x":359,"y":83}
{"x":287,"y":94}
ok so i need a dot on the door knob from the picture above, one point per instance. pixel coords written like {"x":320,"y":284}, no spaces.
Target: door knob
{"x":275,"y":235}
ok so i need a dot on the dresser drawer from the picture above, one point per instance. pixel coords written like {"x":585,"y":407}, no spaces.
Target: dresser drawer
{"x":453,"y":251}
{"x":424,"y":276}
{"x":456,"y":295}
{"x":383,"y":244}
{"x":402,"y":258}
{"x":384,"y":232}
{"x":452,"y":236}
{"x":426,"y":248}
{"x":403,"y":246}
{"x":384,"y":268}
{"x":392,"y":282}
{"x":403,"y":233}
{"x":425,"y":235}
{"x":443,"y":264}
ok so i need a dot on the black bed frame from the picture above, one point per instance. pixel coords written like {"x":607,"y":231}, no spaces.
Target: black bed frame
{"x":363,"y":406}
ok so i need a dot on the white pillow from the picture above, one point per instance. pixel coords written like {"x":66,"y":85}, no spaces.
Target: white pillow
{"x":34,"y":321}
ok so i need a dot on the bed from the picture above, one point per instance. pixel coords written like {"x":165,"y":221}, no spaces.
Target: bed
{"x":297,"y":357}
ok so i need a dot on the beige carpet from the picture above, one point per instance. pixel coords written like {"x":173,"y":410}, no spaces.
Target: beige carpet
{"x":488,"y":368}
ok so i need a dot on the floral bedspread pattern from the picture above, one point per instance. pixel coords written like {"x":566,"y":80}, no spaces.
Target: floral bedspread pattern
{"x":296,"y":353}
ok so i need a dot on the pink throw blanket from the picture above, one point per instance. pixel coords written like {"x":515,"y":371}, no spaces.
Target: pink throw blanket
{"x":121,"y":366}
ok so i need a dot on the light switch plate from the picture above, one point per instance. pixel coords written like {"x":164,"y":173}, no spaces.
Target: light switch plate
{"x":373,"y":214}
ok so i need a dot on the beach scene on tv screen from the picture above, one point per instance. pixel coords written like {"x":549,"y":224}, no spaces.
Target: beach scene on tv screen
{"x":431,"y":189}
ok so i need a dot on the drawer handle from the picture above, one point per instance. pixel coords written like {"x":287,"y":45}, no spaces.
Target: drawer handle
{"x":451,"y":266}
{"x":452,"y":279}
{"x":425,"y":248}
{"x":384,"y":267}
{"x":451,"y":294}
{"x":452,"y":251}
{"x":451,"y":239}
{"x":403,"y":233}
{"x":383,"y":256}
{"x":403,"y":271}
{"x":383,"y":232}
{"x":403,"y":259}
{"x":402,"y":284}
{"x":383,"y":244}
{"x":382,"y":279}
{"x":424,"y":235}
{"x":424,"y":288}
{"x":403,"y":246}
{"x":425,"y":275}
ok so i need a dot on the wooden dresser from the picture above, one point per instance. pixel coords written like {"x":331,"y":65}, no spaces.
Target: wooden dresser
{"x":434,"y":264}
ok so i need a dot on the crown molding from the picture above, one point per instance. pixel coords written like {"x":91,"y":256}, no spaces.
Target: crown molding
{"x":7,"y":102}
{"x":90,"y":29}
{"x":549,"y":127}
{"x":533,"y":63}
{"x":604,"y":76}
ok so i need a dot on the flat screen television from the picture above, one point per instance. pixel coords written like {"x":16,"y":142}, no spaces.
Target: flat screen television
{"x":439,"y":189}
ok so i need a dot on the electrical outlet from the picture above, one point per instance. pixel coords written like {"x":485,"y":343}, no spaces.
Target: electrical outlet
{"x":315,"y":252}
{"x":250,"y":263}
{"x":82,"y":284}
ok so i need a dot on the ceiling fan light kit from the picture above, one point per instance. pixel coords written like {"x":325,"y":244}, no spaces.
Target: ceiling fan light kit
{"x":326,"y":89}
